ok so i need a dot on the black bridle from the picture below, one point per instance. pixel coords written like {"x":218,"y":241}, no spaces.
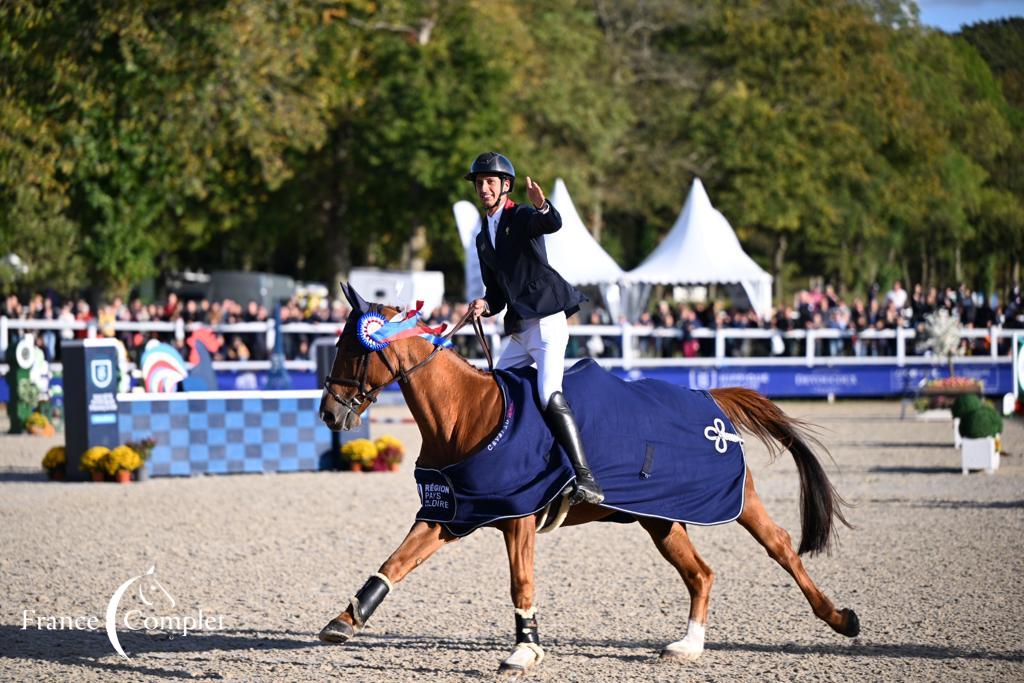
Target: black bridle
{"x":365,"y":393}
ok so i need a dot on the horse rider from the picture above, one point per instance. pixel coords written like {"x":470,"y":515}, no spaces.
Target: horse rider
{"x":517,"y":275}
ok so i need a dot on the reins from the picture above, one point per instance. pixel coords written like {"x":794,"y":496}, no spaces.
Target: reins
{"x":401,"y":375}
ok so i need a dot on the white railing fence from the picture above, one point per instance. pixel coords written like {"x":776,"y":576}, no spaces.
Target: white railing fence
{"x":624,"y":346}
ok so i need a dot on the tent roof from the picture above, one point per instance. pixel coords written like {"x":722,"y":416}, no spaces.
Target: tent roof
{"x":573,"y":251}
{"x":700,"y":248}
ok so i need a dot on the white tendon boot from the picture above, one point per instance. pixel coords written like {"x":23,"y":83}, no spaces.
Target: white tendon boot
{"x":690,"y":647}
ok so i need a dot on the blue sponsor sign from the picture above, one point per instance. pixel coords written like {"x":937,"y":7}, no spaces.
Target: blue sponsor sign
{"x":841,"y":381}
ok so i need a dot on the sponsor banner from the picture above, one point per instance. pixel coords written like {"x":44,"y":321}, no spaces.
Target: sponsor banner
{"x":796,"y":381}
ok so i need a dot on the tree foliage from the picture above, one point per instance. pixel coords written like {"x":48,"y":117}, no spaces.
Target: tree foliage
{"x":842,"y":140}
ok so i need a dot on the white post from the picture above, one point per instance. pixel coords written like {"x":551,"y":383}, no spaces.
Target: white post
{"x":993,"y":337}
{"x":3,"y":335}
{"x":719,"y":345}
{"x":809,"y":347}
{"x":901,"y":348}
{"x":179,"y":329}
{"x":627,"y":346}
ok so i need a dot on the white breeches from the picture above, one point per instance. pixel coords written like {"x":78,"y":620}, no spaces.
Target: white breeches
{"x":541,"y":341}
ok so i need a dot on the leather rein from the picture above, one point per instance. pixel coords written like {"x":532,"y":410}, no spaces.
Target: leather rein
{"x":356,"y":402}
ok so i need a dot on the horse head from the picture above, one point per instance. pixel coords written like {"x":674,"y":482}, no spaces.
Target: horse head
{"x":378,"y":345}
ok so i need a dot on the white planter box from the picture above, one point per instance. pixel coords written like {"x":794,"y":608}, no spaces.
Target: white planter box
{"x":957,"y":439}
{"x":979,"y":454}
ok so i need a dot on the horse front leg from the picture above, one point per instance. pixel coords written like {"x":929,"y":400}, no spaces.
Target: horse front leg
{"x":422,"y":541}
{"x":520,"y":542}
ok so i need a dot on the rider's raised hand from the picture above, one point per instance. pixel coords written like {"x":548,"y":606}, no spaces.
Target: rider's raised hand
{"x":535,"y":194}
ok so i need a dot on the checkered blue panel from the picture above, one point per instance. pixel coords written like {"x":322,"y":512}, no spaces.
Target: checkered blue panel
{"x":225,"y":436}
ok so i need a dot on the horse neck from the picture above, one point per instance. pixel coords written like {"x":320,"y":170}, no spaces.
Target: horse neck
{"x":455,"y":406}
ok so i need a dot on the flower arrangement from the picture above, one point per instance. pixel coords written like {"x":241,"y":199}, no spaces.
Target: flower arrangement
{"x":382,"y":455}
{"x":359,"y":453}
{"x":942,"y":335}
{"x":389,"y":453}
{"x":144,"y":448}
{"x":121,"y":459}
{"x":38,"y":424}
{"x":54,"y":461}
{"x":941,"y":393}
{"x":92,"y":459}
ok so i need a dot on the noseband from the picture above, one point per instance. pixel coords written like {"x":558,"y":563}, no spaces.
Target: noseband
{"x":367,"y":394}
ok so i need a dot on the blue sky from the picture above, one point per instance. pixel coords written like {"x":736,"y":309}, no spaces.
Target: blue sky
{"x":949,"y":15}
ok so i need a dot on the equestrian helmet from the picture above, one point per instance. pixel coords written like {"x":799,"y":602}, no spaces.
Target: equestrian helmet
{"x":492,"y":163}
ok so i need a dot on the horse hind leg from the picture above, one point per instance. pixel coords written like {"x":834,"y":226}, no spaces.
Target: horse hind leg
{"x":777,"y":542}
{"x":675,"y":546}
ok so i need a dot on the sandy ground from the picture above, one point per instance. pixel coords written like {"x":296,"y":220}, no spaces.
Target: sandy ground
{"x":935,"y":569}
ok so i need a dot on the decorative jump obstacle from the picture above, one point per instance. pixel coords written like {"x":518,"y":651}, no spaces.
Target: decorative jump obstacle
{"x":199,"y":432}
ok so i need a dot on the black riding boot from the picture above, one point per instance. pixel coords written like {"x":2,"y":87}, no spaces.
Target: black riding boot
{"x":563,"y":425}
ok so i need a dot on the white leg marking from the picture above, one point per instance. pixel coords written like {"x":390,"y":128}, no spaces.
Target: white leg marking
{"x":690,"y":647}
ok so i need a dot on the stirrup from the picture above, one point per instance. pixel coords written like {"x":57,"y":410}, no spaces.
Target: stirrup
{"x":587,"y":491}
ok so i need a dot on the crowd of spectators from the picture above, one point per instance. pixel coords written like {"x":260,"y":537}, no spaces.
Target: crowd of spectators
{"x":818,"y":308}
{"x":822,"y":308}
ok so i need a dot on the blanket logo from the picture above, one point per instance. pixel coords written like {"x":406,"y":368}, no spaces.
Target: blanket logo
{"x":509,"y":414}
{"x":437,"y":497}
{"x":716,"y":432}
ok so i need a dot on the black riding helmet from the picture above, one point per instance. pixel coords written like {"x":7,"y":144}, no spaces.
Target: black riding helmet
{"x":492,"y":163}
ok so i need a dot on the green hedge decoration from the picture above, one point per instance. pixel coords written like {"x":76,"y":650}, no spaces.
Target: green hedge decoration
{"x":965,"y":404}
{"x":983,"y":422}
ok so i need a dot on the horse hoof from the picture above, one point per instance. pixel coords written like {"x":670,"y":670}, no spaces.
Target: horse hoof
{"x":852,"y":627}
{"x":682,"y":651}
{"x":523,"y":658}
{"x":337,"y":631}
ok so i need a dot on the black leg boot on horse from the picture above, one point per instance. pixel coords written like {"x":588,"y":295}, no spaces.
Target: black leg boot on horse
{"x":563,"y":425}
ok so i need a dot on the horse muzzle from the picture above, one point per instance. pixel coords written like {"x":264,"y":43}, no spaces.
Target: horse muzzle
{"x":340,"y":419}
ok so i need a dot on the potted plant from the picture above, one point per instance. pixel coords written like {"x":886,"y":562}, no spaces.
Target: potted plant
{"x":38,"y":424}
{"x":54,"y":461}
{"x":359,"y":454}
{"x":121,"y":462}
{"x":964,"y":404}
{"x":92,"y":461}
{"x":980,"y":430}
{"x":144,"y":448}
{"x":389,"y":453}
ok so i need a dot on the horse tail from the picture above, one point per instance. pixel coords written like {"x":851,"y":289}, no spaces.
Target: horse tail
{"x":821,"y":506}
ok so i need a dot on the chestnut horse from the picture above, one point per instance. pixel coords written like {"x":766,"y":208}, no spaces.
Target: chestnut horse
{"x":458,"y":409}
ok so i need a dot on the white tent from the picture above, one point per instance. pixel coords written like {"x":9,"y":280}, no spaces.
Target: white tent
{"x":702,"y":248}
{"x":572,"y":251}
{"x":467,"y":220}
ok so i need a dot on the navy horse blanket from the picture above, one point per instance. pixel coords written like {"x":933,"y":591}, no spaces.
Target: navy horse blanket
{"x":657,"y":449}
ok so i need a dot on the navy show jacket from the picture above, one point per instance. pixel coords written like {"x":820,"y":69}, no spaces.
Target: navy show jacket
{"x":516,"y":272}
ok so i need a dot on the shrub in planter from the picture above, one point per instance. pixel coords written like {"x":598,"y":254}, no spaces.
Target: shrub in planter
{"x":967,"y":403}
{"x":981,"y":423}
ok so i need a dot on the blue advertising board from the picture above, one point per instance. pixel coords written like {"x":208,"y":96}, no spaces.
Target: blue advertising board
{"x":90,"y":399}
{"x":841,"y":381}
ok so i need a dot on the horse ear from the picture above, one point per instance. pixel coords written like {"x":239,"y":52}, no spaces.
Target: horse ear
{"x":354,"y":300}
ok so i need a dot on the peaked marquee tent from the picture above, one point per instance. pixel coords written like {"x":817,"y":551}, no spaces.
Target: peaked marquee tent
{"x":702,"y":248}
